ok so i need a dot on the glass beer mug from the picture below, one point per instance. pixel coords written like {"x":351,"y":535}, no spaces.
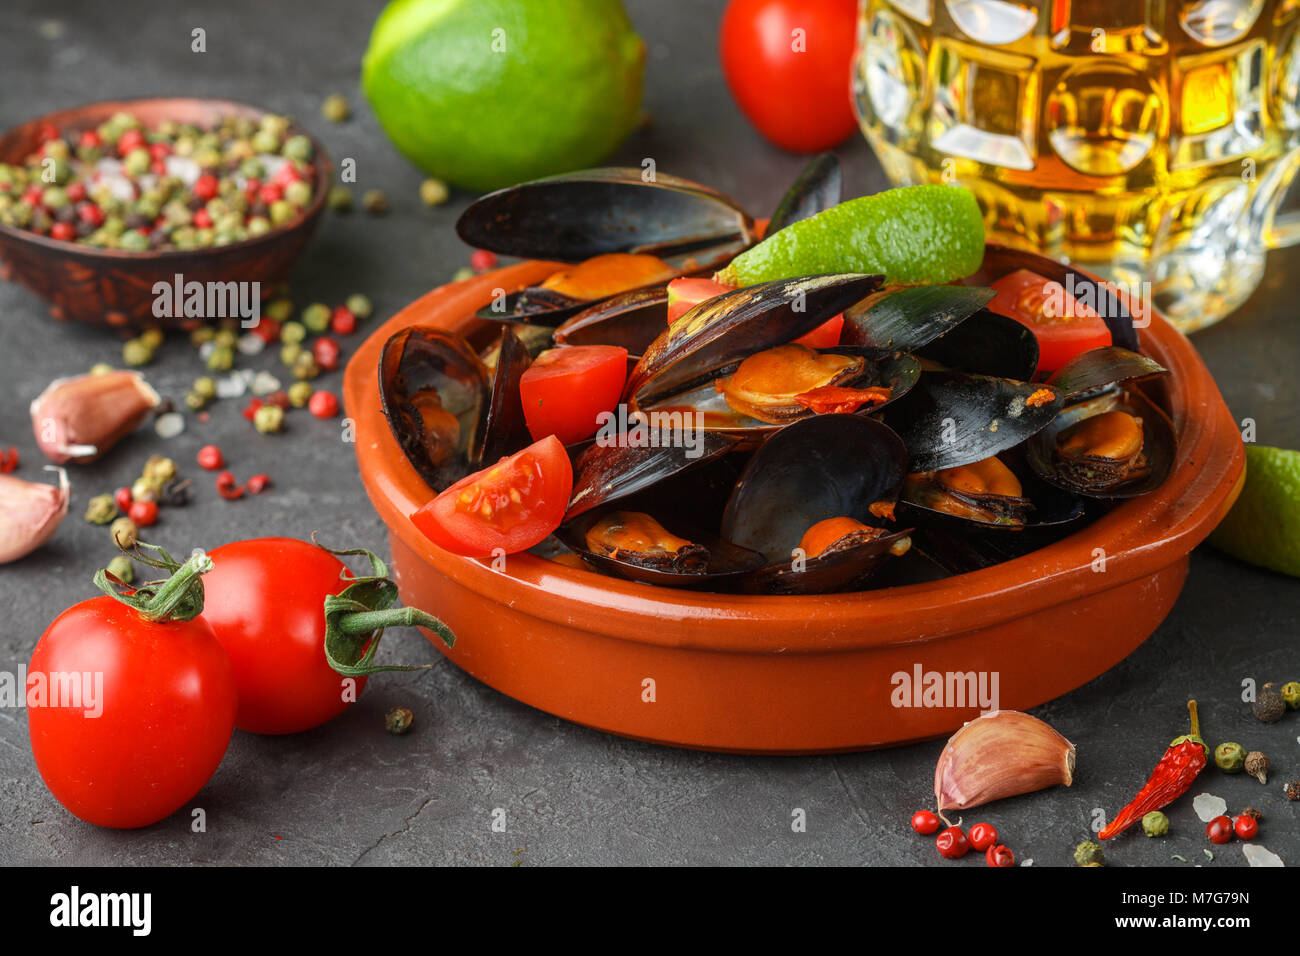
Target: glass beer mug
{"x":1150,"y":141}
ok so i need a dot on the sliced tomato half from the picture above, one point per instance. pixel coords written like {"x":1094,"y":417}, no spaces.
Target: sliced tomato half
{"x":511,"y":505}
{"x":1063,"y":326}
{"x":826,"y":335}
{"x":566,"y":388}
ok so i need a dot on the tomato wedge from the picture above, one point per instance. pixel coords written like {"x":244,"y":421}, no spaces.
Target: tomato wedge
{"x":510,"y":506}
{"x":566,"y":388}
{"x":825,"y":336}
{"x":685,"y":294}
{"x":1063,"y":326}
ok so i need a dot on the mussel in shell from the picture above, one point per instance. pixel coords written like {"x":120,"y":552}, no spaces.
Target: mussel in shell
{"x":833,"y":535}
{"x":631,"y":320}
{"x":986,"y":491}
{"x":637,"y":538}
{"x":791,"y":381}
{"x":1102,"y":451}
{"x":570,"y":291}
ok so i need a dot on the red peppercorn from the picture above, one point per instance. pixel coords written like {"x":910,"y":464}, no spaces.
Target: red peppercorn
{"x":481,"y":260}
{"x":1245,"y":827}
{"x":258,"y":484}
{"x":250,"y":410}
{"x":32,"y":195}
{"x":202,"y":219}
{"x":343,"y":322}
{"x":122,"y":497}
{"x":76,"y":192}
{"x":90,"y":139}
{"x":278,"y":397}
{"x":286,"y":174}
{"x":227,"y":488}
{"x":952,"y":843}
{"x":159,"y":150}
{"x":90,"y":212}
{"x":271,"y":192}
{"x":267,"y":329}
{"x":983,"y":836}
{"x":64,"y":231}
{"x":999,"y":855}
{"x":1219,"y":830}
{"x":143,"y":513}
{"x":129,"y":140}
{"x":158,"y":167}
{"x":323,"y":404}
{"x":925,"y":822}
{"x":46,"y":132}
{"x":209,"y":457}
{"x":205,"y":187}
{"x":326,"y":352}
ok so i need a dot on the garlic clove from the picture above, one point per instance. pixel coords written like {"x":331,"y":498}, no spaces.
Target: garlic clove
{"x":78,"y":419}
{"x":1003,"y":753}
{"x":30,"y":511}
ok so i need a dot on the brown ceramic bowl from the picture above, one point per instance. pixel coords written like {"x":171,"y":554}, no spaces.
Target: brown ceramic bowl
{"x":779,"y":674}
{"x":115,"y":287}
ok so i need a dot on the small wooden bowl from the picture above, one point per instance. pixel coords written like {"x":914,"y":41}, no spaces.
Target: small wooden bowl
{"x":115,"y":287}
{"x":803,"y":674}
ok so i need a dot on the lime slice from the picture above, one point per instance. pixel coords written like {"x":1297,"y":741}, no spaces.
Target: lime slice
{"x":1263,"y":527}
{"x":913,"y":235}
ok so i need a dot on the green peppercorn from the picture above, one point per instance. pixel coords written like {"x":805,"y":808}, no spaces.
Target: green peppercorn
{"x":292,"y":333}
{"x":298,"y":193}
{"x":142,"y":489}
{"x":159,"y":470}
{"x":101,"y":368}
{"x":60,"y":173}
{"x":221,"y":359}
{"x":258,"y":226}
{"x":300,"y":394}
{"x":282,"y":212}
{"x":1230,"y":757}
{"x":359,"y":306}
{"x":374,"y":202}
{"x":316,"y":317}
{"x":280,"y":310}
{"x":122,"y":569}
{"x":252,"y":168}
{"x":463,"y":273}
{"x":289,"y":353}
{"x":205,"y":386}
{"x":101,"y":509}
{"x":134,"y":241}
{"x":55,"y":197}
{"x":226,"y":338}
{"x":57,"y":149}
{"x":136,"y":352}
{"x":1155,"y":824}
{"x":433,"y":192}
{"x":266,"y":141}
{"x":196,"y":402}
{"x":398,"y":720}
{"x":339,"y":198}
{"x":136,"y":162}
{"x":304,"y":366}
{"x":1089,"y":854}
{"x":335,"y":108}
{"x":298,"y":147}
{"x":124,"y":532}
{"x":1291,"y":695}
{"x":152,"y":337}
{"x":269,"y":419}
{"x":202,"y":335}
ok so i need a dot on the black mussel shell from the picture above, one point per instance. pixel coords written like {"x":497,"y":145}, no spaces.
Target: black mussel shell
{"x":1049,"y":507}
{"x":417,"y":358}
{"x":575,"y":216}
{"x":502,"y":429}
{"x":817,"y":468}
{"x":631,"y":320}
{"x":533,"y":306}
{"x":903,"y":320}
{"x":986,"y":344}
{"x":951,"y":419}
{"x":1159,"y":445}
{"x":1101,"y":368}
{"x":736,"y":324}
{"x":962,"y":552}
{"x":817,"y":188}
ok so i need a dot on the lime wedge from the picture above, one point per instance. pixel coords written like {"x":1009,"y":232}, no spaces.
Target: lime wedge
{"x":1263,"y":527}
{"x":913,"y":235}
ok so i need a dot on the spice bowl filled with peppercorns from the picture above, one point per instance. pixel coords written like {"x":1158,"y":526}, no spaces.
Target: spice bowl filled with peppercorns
{"x":101,"y":202}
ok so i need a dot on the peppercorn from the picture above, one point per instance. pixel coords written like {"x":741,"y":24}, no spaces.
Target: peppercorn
{"x":339,"y":198}
{"x":298,"y":193}
{"x":1252,"y":813}
{"x":124,"y":532}
{"x":202,"y":335}
{"x":158,"y":470}
{"x":291,"y":333}
{"x":289,"y":353}
{"x":122,"y":569}
{"x":152,"y":337}
{"x":226,"y":338}
{"x":1292,"y":790}
{"x":142,"y":489}
{"x":1269,"y":705}
{"x":374,"y":202}
{"x":100,"y":368}
{"x":221,"y":359}
{"x":101,"y":509}
{"x":316,"y":317}
{"x":1291,"y":694}
{"x":1230,"y":757}
{"x":175,"y":493}
{"x":1257,"y":766}
{"x":335,"y":108}
{"x":205,"y":386}
{"x":463,"y":273}
{"x":269,"y":419}
{"x":304,"y":366}
{"x":195,"y":402}
{"x":1089,"y":854}
{"x":299,"y":394}
{"x":279,"y":309}
{"x":398,"y":720}
{"x":136,"y":352}
{"x":1155,"y":824}
{"x":297,"y":147}
{"x":433,"y":192}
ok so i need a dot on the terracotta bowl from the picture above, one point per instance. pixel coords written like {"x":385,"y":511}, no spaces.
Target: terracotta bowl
{"x":799,"y":674}
{"x":114,"y":287}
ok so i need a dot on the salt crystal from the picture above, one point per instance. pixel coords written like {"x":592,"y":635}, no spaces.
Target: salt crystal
{"x":231,"y":386}
{"x":206,"y":349}
{"x":169,"y":424}
{"x":1258,"y":856}
{"x":264,"y":383}
{"x":1029,"y":862}
{"x":1208,"y":806}
{"x":250,"y":344}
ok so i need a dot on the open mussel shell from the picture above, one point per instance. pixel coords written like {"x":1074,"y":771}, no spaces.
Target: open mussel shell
{"x":720,"y":565}
{"x":502,"y":429}
{"x":735,"y":325}
{"x":1159,"y":445}
{"x":631,"y":320}
{"x":432,"y":387}
{"x":575,"y":216}
{"x":986,"y":344}
{"x":532,"y":306}
{"x":1100,"y":368}
{"x":818,"y":187}
{"x":903,"y":320}
{"x":818,"y":468}
{"x":950,"y":419}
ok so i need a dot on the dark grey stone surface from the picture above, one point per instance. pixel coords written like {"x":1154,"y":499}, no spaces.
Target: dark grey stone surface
{"x":349,"y":793}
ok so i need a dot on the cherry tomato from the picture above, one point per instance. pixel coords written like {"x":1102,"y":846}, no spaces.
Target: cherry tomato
{"x":168,"y":701}
{"x":925,"y":822}
{"x":511,"y":505}
{"x":952,"y":843}
{"x":1219,"y":830}
{"x":566,"y":388}
{"x":143,"y":513}
{"x":999,"y":856}
{"x":788,"y":65}
{"x":263,"y":599}
{"x":983,"y":836}
{"x":686,"y":293}
{"x":1245,"y":827}
{"x":1063,"y":326}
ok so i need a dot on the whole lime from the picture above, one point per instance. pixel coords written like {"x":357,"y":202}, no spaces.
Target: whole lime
{"x":488,"y":93}
{"x":1263,"y":527}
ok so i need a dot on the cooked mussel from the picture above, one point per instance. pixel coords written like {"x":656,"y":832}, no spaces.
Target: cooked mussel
{"x":639,"y":539}
{"x":1102,"y":368}
{"x":631,"y":320}
{"x":904,"y":320}
{"x":791,"y":381}
{"x":577,"y":288}
{"x":986,"y":491}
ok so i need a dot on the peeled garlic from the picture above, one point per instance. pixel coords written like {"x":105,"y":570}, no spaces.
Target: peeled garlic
{"x":1000,"y":754}
{"x":78,"y":419}
{"x":29,"y":513}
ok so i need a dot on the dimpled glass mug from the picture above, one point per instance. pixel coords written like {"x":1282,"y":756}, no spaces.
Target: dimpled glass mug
{"x":1151,"y":141}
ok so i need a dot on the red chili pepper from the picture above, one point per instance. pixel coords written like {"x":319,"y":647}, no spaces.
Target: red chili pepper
{"x":9,"y":460}
{"x":1173,"y":775}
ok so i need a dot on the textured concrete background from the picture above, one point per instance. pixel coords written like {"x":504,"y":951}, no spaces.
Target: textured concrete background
{"x":349,"y":793}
